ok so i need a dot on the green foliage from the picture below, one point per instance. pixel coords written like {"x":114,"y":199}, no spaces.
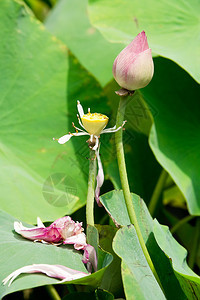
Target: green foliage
{"x":138,"y":154}
{"x":40,"y":8}
{"x":38,"y":102}
{"x":156,"y":241}
{"x":112,"y":277}
{"x":69,"y":21}
{"x":33,"y":74}
{"x":96,"y":295}
{"x":174,"y":137}
{"x":172,"y":27}
{"x":17,"y":252}
{"x":189,"y":281}
{"x":136,"y":272}
{"x":44,"y":70}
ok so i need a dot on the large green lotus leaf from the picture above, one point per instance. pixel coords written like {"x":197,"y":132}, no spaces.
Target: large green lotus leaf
{"x":17,"y":252}
{"x":114,"y":204}
{"x":69,"y":21}
{"x":184,"y":233}
{"x":174,"y":137}
{"x":39,"y":177}
{"x":139,"y":281}
{"x":172,"y":27}
{"x":177,"y":256}
{"x":33,"y":68}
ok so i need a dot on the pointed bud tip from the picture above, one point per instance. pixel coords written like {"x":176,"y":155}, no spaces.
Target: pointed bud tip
{"x":133,"y":67}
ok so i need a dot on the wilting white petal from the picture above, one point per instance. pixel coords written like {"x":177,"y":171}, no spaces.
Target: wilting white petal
{"x":100,"y":178}
{"x":39,"y":223}
{"x":65,"y":138}
{"x":80,"y":122}
{"x":113,"y":129}
{"x":80,"y":109}
{"x":18,"y":227}
{"x":91,"y":137}
{"x":108,"y":129}
{"x":56,"y":271}
{"x":96,"y":143}
{"x":90,"y":258}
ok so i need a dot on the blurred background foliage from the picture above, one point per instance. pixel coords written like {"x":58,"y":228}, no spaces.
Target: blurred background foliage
{"x":56,"y":52}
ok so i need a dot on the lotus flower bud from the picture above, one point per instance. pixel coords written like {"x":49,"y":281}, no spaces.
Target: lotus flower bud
{"x":133,"y":68}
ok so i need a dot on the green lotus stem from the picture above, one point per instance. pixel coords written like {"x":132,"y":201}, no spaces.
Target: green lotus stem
{"x":195,"y":245}
{"x":125,"y":184}
{"x":157,"y":192}
{"x":52,"y":292}
{"x":91,"y":187}
{"x":181,"y":223}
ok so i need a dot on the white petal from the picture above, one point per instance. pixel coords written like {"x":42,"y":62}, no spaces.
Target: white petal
{"x":80,"y":109}
{"x":108,"y":129}
{"x":56,"y":271}
{"x":80,"y":122}
{"x":100,"y":178}
{"x":65,"y":138}
{"x":18,"y":227}
{"x":96,"y":143}
{"x":39,"y":223}
{"x":113,"y":129}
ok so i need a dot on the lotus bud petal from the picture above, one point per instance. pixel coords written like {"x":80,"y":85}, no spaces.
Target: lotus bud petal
{"x":133,"y":68}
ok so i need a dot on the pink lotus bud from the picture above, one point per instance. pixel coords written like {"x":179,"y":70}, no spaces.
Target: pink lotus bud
{"x":133,"y":68}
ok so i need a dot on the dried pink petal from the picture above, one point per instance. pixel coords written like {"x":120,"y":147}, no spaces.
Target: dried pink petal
{"x":90,"y":258}
{"x":62,"y":230}
{"x":56,"y":271}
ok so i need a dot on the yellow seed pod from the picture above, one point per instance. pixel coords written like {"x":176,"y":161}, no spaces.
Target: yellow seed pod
{"x":94,"y":123}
